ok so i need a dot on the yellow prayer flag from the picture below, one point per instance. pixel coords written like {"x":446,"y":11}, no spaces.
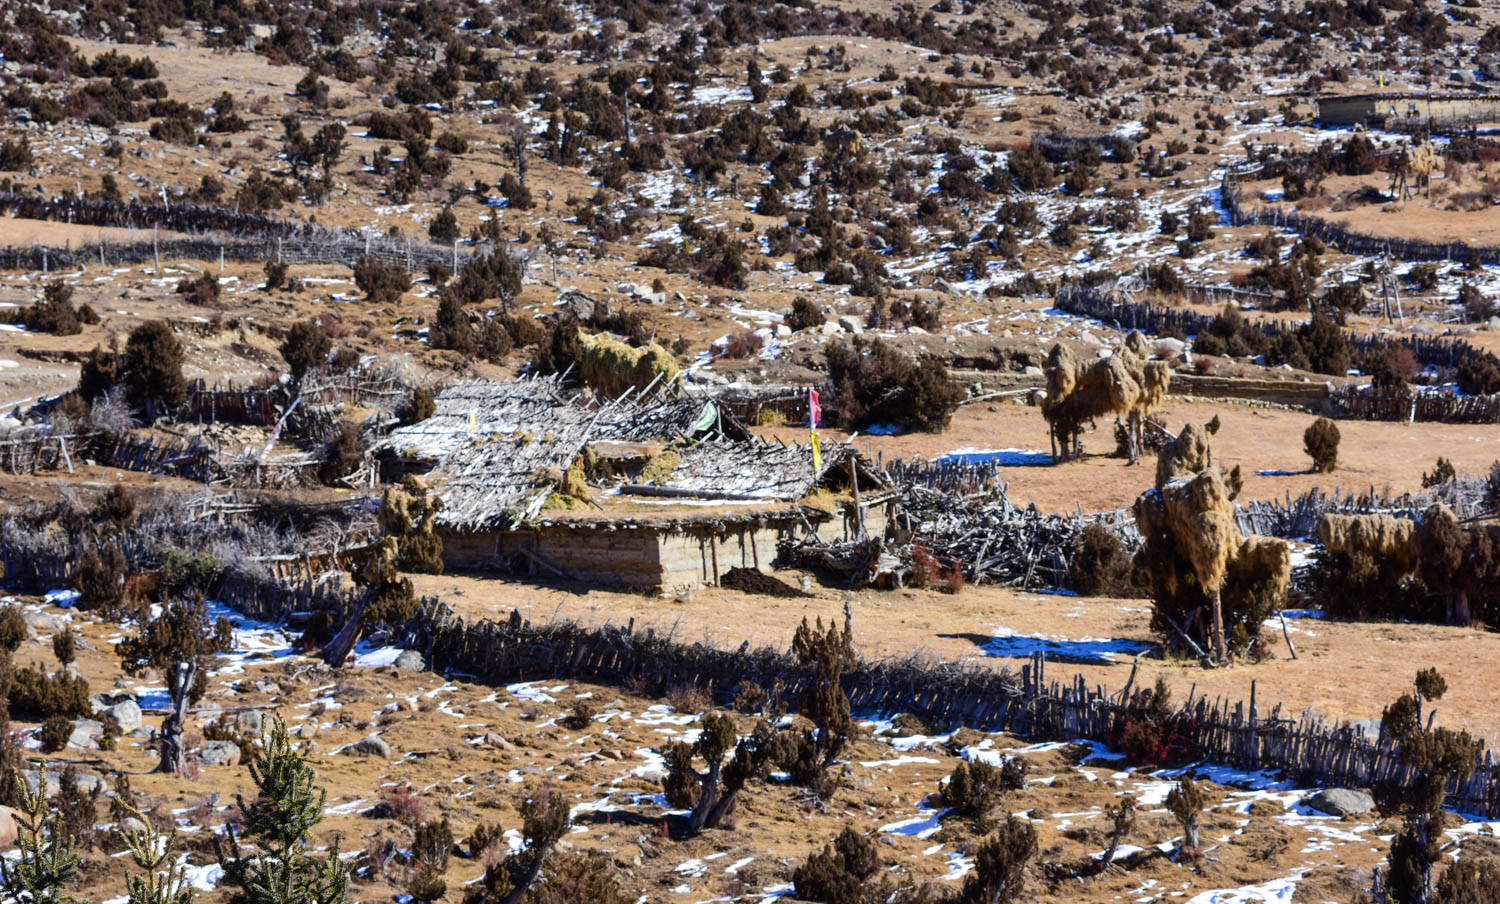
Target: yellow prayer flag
{"x":817,"y":448}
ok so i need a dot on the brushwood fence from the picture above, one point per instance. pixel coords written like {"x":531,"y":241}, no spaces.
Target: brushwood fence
{"x":214,"y":234}
{"x":1148,"y":318}
{"x":1231,"y":733}
{"x":1343,"y":238}
{"x":1372,"y":404}
{"x":1298,"y":517}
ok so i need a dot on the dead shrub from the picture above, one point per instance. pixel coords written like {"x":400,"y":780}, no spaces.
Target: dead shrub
{"x":689,"y":698}
{"x":407,"y":806}
{"x":744,"y":344}
{"x":1101,"y":564}
{"x":581,"y":717}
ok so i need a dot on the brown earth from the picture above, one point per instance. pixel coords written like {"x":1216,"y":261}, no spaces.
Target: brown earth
{"x":1347,"y":670}
{"x":470,"y":754}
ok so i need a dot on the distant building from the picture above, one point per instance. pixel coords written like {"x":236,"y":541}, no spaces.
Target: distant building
{"x":1406,"y":111}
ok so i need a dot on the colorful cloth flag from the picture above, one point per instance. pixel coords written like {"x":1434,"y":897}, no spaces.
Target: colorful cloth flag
{"x":814,"y":410}
{"x":471,"y":421}
{"x":817,"y":448}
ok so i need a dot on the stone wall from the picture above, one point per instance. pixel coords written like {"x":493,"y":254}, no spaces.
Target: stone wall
{"x":638,"y":556}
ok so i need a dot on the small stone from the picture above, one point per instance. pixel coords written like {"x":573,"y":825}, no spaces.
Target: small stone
{"x":373,"y":745}
{"x":308,"y":730}
{"x":219,"y":753}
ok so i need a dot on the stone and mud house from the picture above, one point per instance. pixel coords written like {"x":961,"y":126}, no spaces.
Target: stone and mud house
{"x":1408,"y":111}
{"x":653,"y":493}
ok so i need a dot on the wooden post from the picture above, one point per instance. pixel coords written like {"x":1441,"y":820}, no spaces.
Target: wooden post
{"x":859,"y":510}
{"x":754,"y":552}
{"x":155,"y":248}
{"x":1219,"y":653}
{"x":454,"y":268}
{"x":221,"y":259}
{"x":713,"y":552}
{"x":101,"y":253}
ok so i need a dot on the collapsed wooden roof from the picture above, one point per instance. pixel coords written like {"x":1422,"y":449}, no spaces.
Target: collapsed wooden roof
{"x":495,"y":406}
{"x":500,"y":479}
{"x":533,"y":404}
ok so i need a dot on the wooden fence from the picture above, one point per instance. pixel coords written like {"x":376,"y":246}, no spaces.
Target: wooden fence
{"x":1149,"y":318}
{"x":1372,"y":404}
{"x":215,"y":234}
{"x":263,"y":405}
{"x":947,"y":695}
{"x":1343,"y":238}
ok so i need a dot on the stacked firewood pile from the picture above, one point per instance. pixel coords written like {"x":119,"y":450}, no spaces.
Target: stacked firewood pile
{"x":984,"y":536}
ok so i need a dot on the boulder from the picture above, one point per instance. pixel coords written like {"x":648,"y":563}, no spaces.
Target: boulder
{"x":88,"y":782}
{"x":1170,"y":348}
{"x":219,"y":753}
{"x":44,"y":622}
{"x":373,"y":745}
{"x":850,"y":324}
{"x":86,"y":734}
{"x":411,"y":661}
{"x":1340,"y":802}
{"x":126,"y":713}
{"x":308,"y":730}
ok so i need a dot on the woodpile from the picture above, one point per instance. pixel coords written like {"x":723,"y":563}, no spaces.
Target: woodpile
{"x":991,"y":540}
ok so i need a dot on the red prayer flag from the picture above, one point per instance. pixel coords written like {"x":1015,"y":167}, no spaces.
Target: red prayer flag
{"x":814,"y":410}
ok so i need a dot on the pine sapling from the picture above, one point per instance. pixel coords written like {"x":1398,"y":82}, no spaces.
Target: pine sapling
{"x":164,"y":877}
{"x":1185,"y":802}
{"x":47,"y":863}
{"x":278,"y":822}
